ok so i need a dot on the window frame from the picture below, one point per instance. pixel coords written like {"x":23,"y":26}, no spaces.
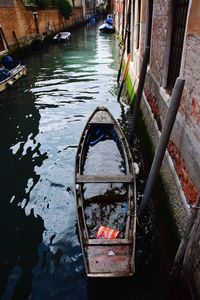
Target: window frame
{"x":179,"y":21}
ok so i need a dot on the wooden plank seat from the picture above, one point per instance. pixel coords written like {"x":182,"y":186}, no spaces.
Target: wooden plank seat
{"x":104,"y":179}
{"x":112,"y":259}
{"x":92,"y":242}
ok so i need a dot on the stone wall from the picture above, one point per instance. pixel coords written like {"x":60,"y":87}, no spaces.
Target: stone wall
{"x":30,"y":23}
{"x":184,"y":142}
{"x":180,"y":169}
{"x":185,"y":139}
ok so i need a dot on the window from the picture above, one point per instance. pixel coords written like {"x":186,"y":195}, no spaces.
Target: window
{"x":6,"y":3}
{"x":129,"y":27}
{"x":150,"y":13}
{"x":178,"y":32}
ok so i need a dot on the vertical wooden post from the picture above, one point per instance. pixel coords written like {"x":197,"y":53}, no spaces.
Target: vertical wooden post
{"x":124,"y":77}
{"x":124,"y":43}
{"x":139,"y":91}
{"x":4,"y":38}
{"x":129,"y":29}
{"x":188,"y":255}
{"x":35,"y":17}
{"x":18,"y":45}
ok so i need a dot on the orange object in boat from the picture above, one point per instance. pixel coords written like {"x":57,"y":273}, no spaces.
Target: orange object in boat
{"x":107,"y":233}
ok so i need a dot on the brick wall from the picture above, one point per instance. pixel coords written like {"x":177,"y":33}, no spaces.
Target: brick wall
{"x":6,"y":3}
{"x":21,"y":20}
{"x":185,"y":138}
{"x":190,"y":105}
{"x":180,"y":170}
{"x":161,"y":30}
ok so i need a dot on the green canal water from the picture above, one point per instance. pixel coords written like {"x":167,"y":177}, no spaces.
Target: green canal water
{"x":40,"y":116}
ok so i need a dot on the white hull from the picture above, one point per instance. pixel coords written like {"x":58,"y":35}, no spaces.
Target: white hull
{"x":16,"y":73}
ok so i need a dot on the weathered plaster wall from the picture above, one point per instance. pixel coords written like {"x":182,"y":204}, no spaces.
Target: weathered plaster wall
{"x":181,"y":167}
{"x":194,"y":18}
{"x":190,"y":104}
{"x":190,"y":108}
{"x":185,"y":138}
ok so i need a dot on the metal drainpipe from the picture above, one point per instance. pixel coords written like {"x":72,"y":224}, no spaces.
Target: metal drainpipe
{"x":162,"y":145}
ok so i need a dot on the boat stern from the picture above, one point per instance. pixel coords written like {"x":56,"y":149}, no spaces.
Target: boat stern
{"x":109,"y":261}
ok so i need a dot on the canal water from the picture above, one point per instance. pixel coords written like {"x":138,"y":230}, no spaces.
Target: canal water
{"x":40,"y":116}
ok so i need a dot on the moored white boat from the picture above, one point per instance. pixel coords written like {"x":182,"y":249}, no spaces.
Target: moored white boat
{"x":107,"y":26}
{"x":62,"y":36}
{"x":15,"y":74}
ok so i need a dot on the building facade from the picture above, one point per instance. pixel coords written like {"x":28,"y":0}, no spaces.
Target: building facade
{"x":29,"y":23}
{"x":172,"y":31}
{"x":89,"y":8}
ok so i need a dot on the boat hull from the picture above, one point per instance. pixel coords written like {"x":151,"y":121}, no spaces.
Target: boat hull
{"x":107,"y":30}
{"x":16,"y":73}
{"x":62,"y":36}
{"x":109,"y":260}
{"x":106,"y":257}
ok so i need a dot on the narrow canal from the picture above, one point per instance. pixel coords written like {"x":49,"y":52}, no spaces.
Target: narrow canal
{"x":40,"y":116}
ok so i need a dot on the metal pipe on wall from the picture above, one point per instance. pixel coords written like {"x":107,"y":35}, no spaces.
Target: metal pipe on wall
{"x":162,"y":145}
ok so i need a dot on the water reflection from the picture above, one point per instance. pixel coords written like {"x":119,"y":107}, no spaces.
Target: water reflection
{"x":42,"y":115}
{"x":20,"y":154}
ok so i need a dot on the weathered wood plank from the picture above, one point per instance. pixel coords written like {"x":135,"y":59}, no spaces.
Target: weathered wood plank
{"x":109,"y":259}
{"x":104,"y":179}
{"x":108,"y":242}
{"x":102,"y":117}
{"x":110,"y":275}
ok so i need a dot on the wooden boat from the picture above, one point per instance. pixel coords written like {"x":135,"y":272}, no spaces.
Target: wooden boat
{"x":105,"y":257}
{"x":62,"y":36}
{"x":15,"y":74}
{"x":106,"y":28}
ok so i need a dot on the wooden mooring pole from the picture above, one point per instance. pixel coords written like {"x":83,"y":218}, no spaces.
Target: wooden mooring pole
{"x":162,"y":145}
{"x":3,"y":35}
{"x":124,"y":77}
{"x":139,"y":91}
{"x":18,"y":45}
{"x":187,"y":258}
{"x":124,"y":42}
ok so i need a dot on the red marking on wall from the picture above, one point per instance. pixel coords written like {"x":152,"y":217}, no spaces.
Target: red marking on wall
{"x":188,"y":187}
{"x":154,"y":108}
{"x":195,"y":110}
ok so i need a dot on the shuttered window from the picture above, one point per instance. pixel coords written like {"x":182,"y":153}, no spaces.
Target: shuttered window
{"x":150,"y":10}
{"x":7,"y":3}
{"x":177,"y":39}
{"x":138,"y":23}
